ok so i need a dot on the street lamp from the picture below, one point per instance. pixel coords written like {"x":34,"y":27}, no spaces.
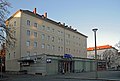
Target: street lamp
{"x":96,"y":74}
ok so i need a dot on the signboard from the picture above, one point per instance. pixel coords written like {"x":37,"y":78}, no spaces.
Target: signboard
{"x":67,"y":56}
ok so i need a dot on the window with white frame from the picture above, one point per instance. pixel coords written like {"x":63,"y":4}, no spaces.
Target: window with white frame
{"x":69,"y":50}
{"x":53,"y":47}
{"x":43,"y":45}
{"x":43,"y":36}
{"x":35,"y":44}
{"x":58,"y":32}
{"x":48,"y":46}
{"x":58,"y":40}
{"x":14,"y":33}
{"x":28,"y":43}
{"x":28,"y":22}
{"x":35,"y":24}
{"x":9,"y":56}
{"x":61,"y":33}
{"x":48,"y":38}
{"x":59,"y":48}
{"x":53,"y":30}
{"x":28,"y":32}
{"x":48,"y":28}
{"x":62,"y":41}
{"x":52,"y":39}
{"x":43,"y":27}
{"x":35,"y":34}
{"x":14,"y":23}
{"x":14,"y":54}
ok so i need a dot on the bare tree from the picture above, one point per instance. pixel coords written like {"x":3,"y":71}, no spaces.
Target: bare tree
{"x":110,"y":57}
{"x":5,"y":33}
{"x":118,"y":45}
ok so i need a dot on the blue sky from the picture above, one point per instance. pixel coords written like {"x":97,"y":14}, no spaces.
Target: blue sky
{"x":83,"y":15}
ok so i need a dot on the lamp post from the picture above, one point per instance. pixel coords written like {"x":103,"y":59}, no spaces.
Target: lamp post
{"x":96,"y":74}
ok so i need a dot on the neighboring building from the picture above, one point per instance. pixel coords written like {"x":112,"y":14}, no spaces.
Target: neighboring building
{"x":39,"y":37}
{"x":105,"y":52}
{"x":101,"y":50}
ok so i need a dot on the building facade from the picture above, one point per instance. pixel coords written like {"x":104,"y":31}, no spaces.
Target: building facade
{"x":38,"y":37}
{"x":107,"y":53}
{"x":101,"y":51}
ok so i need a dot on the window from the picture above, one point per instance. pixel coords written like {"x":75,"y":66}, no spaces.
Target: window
{"x":61,"y":33}
{"x":58,"y":48}
{"x":14,"y":33}
{"x":53,"y":47}
{"x":62,"y":41}
{"x":35,"y":24}
{"x":43,"y":27}
{"x":14,"y":44}
{"x":52,"y":39}
{"x":14,"y":23}
{"x":58,"y":32}
{"x":61,"y":48}
{"x":74,"y":50}
{"x":69,"y":50}
{"x":67,"y":42}
{"x":68,"y":35}
{"x":28,"y":53}
{"x":28,"y":22}
{"x":14,"y":54}
{"x":35,"y":34}
{"x":9,"y":56}
{"x":28,"y":32}
{"x":48,"y":38}
{"x":48,"y":28}
{"x":43,"y":45}
{"x":58,"y":40}
{"x":48,"y":46}
{"x":28,"y":43}
{"x":43,"y":36}
{"x":66,"y":49}
{"x":53,"y":30}
{"x":35,"y":44}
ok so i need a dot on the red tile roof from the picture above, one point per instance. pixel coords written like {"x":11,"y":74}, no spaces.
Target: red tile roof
{"x":99,"y":47}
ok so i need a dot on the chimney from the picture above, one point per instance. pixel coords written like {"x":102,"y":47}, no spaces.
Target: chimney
{"x":63,"y":24}
{"x":45,"y":14}
{"x":34,"y":11}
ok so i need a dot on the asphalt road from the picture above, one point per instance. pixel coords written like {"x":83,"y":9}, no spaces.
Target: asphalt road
{"x":86,"y":76}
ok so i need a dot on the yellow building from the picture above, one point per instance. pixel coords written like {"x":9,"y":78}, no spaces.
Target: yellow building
{"x":37,"y":35}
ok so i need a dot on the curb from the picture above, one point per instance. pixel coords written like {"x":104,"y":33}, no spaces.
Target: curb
{"x":103,"y":79}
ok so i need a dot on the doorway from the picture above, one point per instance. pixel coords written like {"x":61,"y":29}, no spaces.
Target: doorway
{"x":66,"y":66}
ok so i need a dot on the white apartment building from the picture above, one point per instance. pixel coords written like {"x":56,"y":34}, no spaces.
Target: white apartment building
{"x":38,"y":35}
{"x":107,"y":53}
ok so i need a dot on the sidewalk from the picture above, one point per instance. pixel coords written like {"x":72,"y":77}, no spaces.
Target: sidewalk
{"x":103,"y":75}
{"x":86,"y":76}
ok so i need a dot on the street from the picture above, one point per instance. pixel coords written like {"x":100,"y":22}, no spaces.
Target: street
{"x":86,"y":76}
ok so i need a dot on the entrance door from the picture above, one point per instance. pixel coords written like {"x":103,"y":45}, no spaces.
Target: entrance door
{"x":65,"y":66}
